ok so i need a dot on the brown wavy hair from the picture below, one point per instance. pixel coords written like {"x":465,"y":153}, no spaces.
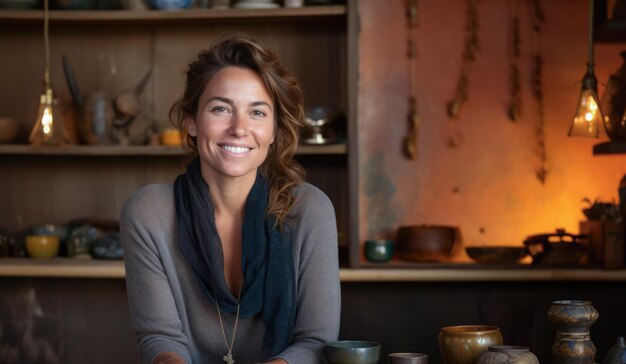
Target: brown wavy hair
{"x":279,"y":168}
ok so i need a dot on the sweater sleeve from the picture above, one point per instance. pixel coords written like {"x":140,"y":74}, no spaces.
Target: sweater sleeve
{"x":319,"y":296}
{"x":150,"y":298}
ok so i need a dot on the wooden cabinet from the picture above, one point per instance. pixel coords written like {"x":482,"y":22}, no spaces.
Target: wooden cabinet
{"x":110,"y":51}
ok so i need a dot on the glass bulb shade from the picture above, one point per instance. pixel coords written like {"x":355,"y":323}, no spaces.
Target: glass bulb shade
{"x":588,"y":118}
{"x":48,"y":128}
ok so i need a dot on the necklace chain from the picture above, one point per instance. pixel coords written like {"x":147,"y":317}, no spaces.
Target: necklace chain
{"x":228,"y":358}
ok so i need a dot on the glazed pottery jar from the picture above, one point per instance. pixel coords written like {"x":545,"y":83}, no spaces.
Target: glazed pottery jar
{"x":572,"y":320}
{"x":507,"y":354}
{"x":464,"y":344}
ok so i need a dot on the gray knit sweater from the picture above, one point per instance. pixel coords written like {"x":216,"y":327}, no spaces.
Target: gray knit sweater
{"x":170,"y":312}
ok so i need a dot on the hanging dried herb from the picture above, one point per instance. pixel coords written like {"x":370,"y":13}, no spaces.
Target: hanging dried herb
{"x":541,"y":172}
{"x":470,"y":49}
{"x":409,"y":143}
{"x":515,"y":105}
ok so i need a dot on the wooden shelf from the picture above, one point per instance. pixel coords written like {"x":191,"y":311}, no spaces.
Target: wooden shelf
{"x":61,"y":267}
{"x":612,"y":147}
{"x":122,"y":151}
{"x":187,"y":16}
{"x":73,"y":268}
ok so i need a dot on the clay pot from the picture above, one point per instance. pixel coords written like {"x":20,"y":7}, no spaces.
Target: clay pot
{"x":507,"y":354}
{"x":427,"y":243}
{"x":464,"y":344}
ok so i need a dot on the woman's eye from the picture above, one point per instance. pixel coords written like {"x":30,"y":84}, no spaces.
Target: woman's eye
{"x":220,"y":109}
{"x":258,"y":113}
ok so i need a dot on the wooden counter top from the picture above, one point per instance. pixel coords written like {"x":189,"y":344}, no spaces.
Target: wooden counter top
{"x":72,"y":268}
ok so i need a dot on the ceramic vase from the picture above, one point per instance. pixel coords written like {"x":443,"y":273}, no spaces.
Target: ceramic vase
{"x":572,"y":320}
{"x":507,"y":354}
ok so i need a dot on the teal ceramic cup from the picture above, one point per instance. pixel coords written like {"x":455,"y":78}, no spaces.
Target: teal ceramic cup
{"x":378,"y":251}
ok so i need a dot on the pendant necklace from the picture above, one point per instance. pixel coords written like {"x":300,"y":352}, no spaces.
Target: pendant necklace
{"x":228,"y":358}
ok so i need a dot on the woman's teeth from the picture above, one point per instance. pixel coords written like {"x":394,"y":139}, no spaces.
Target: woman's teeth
{"x":236,"y":150}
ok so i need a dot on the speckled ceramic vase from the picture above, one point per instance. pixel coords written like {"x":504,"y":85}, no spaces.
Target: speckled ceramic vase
{"x":572,"y":320}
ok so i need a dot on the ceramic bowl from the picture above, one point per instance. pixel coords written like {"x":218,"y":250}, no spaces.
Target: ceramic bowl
{"x":42,"y":246}
{"x":171,"y":4}
{"x":408,"y":358}
{"x":353,"y":352}
{"x":50,"y":229}
{"x":427,"y":243}
{"x":378,"y":251}
{"x":496,"y":254}
{"x":464,"y":344}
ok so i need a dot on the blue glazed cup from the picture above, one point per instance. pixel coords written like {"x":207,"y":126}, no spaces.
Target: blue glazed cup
{"x":379,"y":251}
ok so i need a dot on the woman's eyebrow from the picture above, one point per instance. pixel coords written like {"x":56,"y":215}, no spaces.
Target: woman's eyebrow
{"x":260,"y":103}
{"x":222,"y":99}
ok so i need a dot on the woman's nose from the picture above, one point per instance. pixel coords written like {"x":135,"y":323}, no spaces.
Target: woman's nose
{"x":239,"y":125}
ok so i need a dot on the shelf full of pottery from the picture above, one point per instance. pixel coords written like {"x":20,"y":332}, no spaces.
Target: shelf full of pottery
{"x":483,"y":344}
{"x":600,"y":243}
{"x":148,"y":11}
{"x":78,"y":239}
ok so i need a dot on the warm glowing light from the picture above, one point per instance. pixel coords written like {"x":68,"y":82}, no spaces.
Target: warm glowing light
{"x":46,"y":120}
{"x":588,"y":117}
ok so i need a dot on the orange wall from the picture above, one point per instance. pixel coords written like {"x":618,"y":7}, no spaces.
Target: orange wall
{"x":493,"y":169}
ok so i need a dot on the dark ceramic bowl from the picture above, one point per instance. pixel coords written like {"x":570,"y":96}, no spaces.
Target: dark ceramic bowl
{"x":496,"y":254}
{"x":353,"y":352}
{"x":378,"y":251}
{"x":427,"y":243}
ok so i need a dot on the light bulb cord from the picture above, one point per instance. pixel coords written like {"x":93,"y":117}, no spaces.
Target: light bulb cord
{"x":46,"y":40}
{"x":591,"y":14}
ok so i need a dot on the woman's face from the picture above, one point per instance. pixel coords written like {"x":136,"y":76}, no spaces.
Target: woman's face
{"x":234,"y":125}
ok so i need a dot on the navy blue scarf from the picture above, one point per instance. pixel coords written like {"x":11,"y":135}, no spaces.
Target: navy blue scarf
{"x":266,"y":261}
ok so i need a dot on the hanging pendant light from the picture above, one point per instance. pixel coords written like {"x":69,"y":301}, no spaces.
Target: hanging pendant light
{"x":588,"y":117}
{"x":49,"y":128}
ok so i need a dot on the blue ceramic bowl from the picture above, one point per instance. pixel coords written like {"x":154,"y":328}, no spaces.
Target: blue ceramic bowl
{"x":379,"y":251}
{"x":353,"y":352}
{"x":59,"y":231}
{"x":171,"y":4}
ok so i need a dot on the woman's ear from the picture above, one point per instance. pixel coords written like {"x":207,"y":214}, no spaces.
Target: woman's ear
{"x":190,"y":124}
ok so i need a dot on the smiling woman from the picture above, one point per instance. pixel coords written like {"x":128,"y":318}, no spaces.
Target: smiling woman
{"x":237,"y":260}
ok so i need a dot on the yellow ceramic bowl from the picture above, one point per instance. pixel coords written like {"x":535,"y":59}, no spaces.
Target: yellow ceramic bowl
{"x":42,"y":246}
{"x":171,"y":137}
